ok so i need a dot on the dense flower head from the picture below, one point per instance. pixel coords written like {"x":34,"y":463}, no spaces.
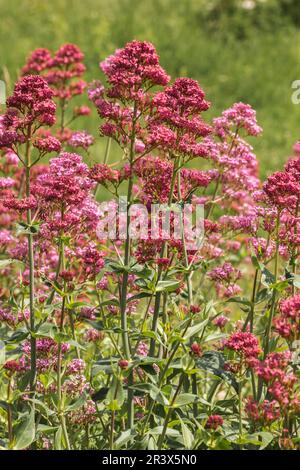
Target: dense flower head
{"x":37,"y":61}
{"x":59,"y":69}
{"x":30,"y":93}
{"x":225,"y":273}
{"x":132,"y":68}
{"x":264,"y":413}
{"x":179,"y":106}
{"x":85,"y":415}
{"x":30,"y":106}
{"x":103,"y":174}
{"x":67,"y":54}
{"x":287,"y":322}
{"x":263,"y":248}
{"x":214,"y":421}
{"x":293,"y":167}
{"x":81,"y":139}
{"x":243,"y":343}
{"x":66,"y":181}
{"x":282,"y":189}
{"x":183,"y":98}
{"x":221,"y":321}
{"x":281,"y":381}
{"x":47,"y":145}
{"x":240,"y":115}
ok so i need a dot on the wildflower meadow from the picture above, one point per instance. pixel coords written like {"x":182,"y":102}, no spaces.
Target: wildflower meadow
{"x":149,"y":294}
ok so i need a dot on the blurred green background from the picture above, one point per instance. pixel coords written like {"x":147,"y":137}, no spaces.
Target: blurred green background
{"x":239,"y":50}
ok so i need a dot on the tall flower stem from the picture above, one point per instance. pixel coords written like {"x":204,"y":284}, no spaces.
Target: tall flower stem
{"x":9,"y":414}
{"x":60,"y":410}
{"x":250,"y":316}
{"x":188,"y":280}
{"x":294,"y":252}
{"x":162,"y":254}
{"x":272,"y":309}
{"x":240,"y":409}
{"x":124,"y":287}
{"x":31,"y":265}
{"x":105,"y":160}
{"x":273,"y":304}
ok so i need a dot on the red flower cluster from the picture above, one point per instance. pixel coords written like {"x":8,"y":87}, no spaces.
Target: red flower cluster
{"x":287,"y":324}
{"x":244,"y":344}
{"x":59,"y":70}
{"x":29,"y":107}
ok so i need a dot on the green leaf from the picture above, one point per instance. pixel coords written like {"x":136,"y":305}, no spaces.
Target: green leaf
{"x":187,"y":436}
{"x":42,"y":407}
{"x":58,"y":439}
{"x":124,"y":437}
{"x":140,"y":295}
{"x":266,"y":438}
{"x":7,"y":262}
{"x":296,"y":281}
{"x":155,"y":393}
{"x":47,"y":330}
{"x":24,"y":229}
{"x":115,"y":396}
{"x":194,"y":330}
{"x":77,"y":404}
{"x":170,"y":432}
{"x":184,"y":399}
{"x":167,"y":286}
{"x":25,"y":433}
{"x":240,"y":300}
{"x":267,"y":278}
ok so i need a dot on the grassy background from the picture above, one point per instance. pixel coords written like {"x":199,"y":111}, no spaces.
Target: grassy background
{"x":239,"y":50}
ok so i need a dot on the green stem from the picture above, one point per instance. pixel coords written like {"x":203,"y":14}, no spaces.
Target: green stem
{"x":250,"y":317}
{"x":31,"y":267}
{"x":124,"y":287}
{"x":240,"y":410}
{"x":162,"y":254}
{"x":60,"y":400}
{"x":272,"y":309}
{"x":9,"y":415}
{"x":106,"y":155}
{"x":189,"y":284}
{"x":294,"y":252}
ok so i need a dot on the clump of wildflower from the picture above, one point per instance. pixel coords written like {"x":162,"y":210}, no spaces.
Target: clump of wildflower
{"x":287,"y":323}
{"x":81,"y":139}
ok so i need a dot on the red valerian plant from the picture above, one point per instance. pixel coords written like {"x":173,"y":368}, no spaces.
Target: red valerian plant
{"x":112,"y":341}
